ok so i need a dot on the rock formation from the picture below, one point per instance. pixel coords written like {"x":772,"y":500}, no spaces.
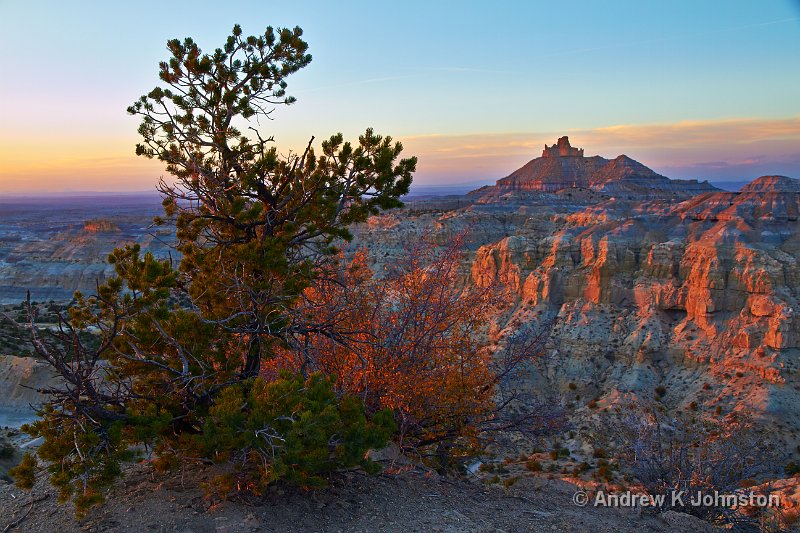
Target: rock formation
{"x":773,"y":184}
{"x":699,"y":297}
{"x":564,"y":167}
{"x":56,"y":247}
{"x":20,"y":377}
{"x":562,"y":149}
{"x":650,"y":289}
{"x":100,"y":225}
{"x":696,"y":298}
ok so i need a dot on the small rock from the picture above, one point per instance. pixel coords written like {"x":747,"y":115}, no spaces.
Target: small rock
{"x":685,"y":522}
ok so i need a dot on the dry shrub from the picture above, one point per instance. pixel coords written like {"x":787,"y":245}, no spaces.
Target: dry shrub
{"x":414,"y":339}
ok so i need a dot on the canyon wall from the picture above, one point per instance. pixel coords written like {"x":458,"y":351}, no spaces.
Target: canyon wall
{"x":697,"y":300}
{"x":686,"y":305}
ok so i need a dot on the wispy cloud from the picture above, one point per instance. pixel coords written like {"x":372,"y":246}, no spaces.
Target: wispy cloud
{"x":730,"y":149}
{"x":475,"y":70}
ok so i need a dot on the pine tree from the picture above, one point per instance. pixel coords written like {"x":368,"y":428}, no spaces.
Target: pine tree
{"x":177,"y":366}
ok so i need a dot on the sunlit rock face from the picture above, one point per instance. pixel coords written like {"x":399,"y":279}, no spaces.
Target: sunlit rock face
{"x":562,"y":149}
{"x":774,"y":184}
{"x":651,"y":288}
{"x":100,"y":225}
{"x":697,"y":295}
{"x":562,"y":166}
{"x":700,"y":297}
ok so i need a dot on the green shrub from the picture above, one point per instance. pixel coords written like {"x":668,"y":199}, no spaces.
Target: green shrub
{"x":291,"y":429}
{"x":599,"y":453}
{"x":581,"y":468}
{"x":6,"y":450}
{"x":558,"y":452}
{"x":604,"y":470}
{"x":24,"y":473}
{"x":533,"y":465}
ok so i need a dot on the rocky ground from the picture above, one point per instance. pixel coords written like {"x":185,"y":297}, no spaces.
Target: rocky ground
{"x":415,"y":500}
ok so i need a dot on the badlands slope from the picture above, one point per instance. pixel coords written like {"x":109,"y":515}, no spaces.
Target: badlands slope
{"x":656,"y":284}
{"x":662,"y":294}
{"x":55,"y":246}
{"x":698,"y":297}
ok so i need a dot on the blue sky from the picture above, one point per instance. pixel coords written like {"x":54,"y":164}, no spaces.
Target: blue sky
{"x":473,"y":88}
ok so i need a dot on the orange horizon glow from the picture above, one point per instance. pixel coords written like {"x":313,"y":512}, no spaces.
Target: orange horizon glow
{"x":687,"y":148}
{"x":686,"y":88}
{"x":109,"y":165}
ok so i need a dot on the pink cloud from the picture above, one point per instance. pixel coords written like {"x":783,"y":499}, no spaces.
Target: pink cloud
{"x":687,"y":149}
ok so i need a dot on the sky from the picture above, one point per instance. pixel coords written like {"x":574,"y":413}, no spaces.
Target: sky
{"x":697,"y":89}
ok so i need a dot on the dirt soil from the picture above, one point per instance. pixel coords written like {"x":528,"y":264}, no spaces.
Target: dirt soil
{"x":407,"y":502}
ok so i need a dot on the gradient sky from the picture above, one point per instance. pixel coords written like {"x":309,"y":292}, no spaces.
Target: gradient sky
{"x":694,"y":89}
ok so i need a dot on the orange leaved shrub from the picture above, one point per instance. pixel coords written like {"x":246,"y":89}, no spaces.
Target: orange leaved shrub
{"x":411,"y":339}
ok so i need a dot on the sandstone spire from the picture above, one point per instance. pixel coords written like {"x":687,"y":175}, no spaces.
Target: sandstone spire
{"x":562,"y":149}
